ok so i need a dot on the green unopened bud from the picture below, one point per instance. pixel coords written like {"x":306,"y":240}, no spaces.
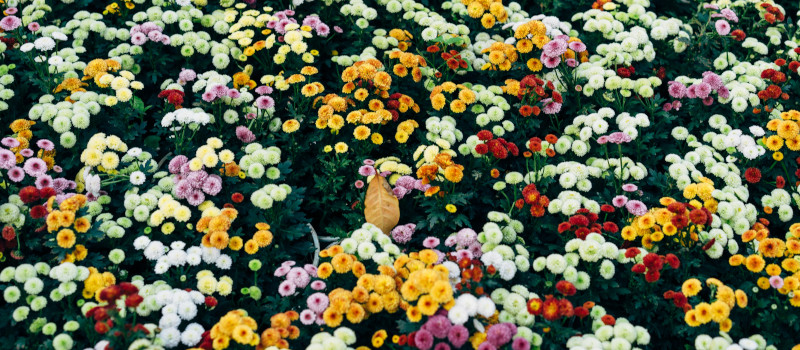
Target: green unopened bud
{"x":254,"y":265}
{"x":255,"y":293}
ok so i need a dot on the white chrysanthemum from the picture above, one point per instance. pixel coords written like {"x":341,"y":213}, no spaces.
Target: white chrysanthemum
{"x":154,"y":250}
{"x":486,"y":307}
{"x":170,"y":337}
{"x":556,"y":263}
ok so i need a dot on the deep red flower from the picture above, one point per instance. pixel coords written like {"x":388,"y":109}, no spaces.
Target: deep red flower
{"x":608,"y":320}
{"x":564,"y":226}
{"x":673,"y":261}
{"x":680,"y":221}
{"x":581,"y":312}
{"x":110,"y":293}
{"x":677,"y":207}
{"x":46,"y":192}
{"x":582,"y":232}
{"x":632,"y":252}
{"x":780,"y":182}
{"x":402,"y":341}
{"x":29,"y":194}
{"x":565,"y":308}
{"x":237,"y":197}
{"x":211,"y":301}
{"x":698,"y":217}
{"x":485,"y":135}
{"x":662,"y":73}
{"x":638,"y":268}
{"x":9,"y":233}
{"x":133,"y":300}
{"x":578,"y":220}
{"x":452,"y":64}
{"x":669,"y":294}
{"x":793,"y":66}
{"x":738,"y":35}
{"x":38,"y":212}
{"x":606,"y":208}
{"x":652,"y":276}
{"x":128,"y":288}
{"x":433,"y":49}
{"x":752,"y":175}
{"x":512,"y":147}
{"x":610,"y":227}
{"x":500,"y":153}
{"x":679,"y":299}
{"x":101,"y":327}
{"x":481,"y":148}
{"x":651,"y":260}
{"x":566,"y":288}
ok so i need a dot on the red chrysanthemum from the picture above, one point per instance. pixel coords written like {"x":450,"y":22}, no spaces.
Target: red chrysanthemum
{"x":673,"y":261}
{"x":610,"y":227}
{"x":752,"y":175}
{"x":581,"y":312}
{"x":566,"y":288}
{"x":608,"y":320}
{"x":550,"y":309}
{"x":793,"y":66}
{"x":565,"y":308}
{"x":237,"y":197}
{"x":9,"y":233}
{"x":46,"y":192}
{"x":677,"y":207}
{"x":133,"y":300}
{"x":485,"y":135}
{"x":535,"y":144}
{"x":632,"y":252}
{"x":679,"y":299}
{"x":29,"y":194}
{"x":680,"y":221}
{"x":579,"y":220}
{"x":651,"y":261}
{"x":652,"y":276}
{"x":738,"y":35}
{"x":211,"y":301}
{"x":535,"y":306}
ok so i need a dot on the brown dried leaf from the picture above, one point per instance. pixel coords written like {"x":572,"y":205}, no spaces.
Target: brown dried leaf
{"x":381,"y":207}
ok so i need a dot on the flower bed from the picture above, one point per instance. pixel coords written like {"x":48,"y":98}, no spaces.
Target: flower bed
{"x":350,"y":174}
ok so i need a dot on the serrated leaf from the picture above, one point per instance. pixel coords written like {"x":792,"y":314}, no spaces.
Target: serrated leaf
{"x":381,"y":207}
